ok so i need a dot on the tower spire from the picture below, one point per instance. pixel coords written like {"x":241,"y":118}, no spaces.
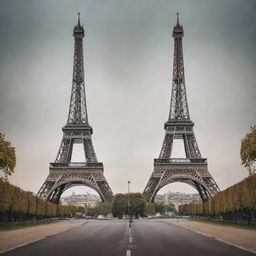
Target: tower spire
{"x":179,"y":105}
{"x":178,"y":22}
{"x":78,"y":111}
{"x":78,"y":14}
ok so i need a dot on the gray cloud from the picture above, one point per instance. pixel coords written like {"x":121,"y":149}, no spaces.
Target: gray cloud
{"x":128,"y":52}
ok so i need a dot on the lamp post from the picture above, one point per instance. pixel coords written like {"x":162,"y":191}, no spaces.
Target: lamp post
{"x":129,"y":214}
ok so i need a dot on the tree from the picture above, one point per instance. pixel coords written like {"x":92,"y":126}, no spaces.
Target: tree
{"x":99,"y":209}
{"x":7,"y":157}
{"x":120,"y":205}
{"x":138,"y":205}
{"x":150,"y":208}
{"x":159,"y":207}
{"x":105,"y":208}
{"x":248,"y":151}
{"x":170,"y":208}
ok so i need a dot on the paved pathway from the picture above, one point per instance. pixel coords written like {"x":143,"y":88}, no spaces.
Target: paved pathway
{"x":14,"y":238}
{"x":235,"y":235}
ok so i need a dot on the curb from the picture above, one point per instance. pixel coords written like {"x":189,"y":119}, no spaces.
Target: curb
{"x":36,"y":240}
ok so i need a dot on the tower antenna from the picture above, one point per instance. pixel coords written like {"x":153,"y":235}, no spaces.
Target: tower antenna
{"x":78,"y":14}
{"x":178,"y":21}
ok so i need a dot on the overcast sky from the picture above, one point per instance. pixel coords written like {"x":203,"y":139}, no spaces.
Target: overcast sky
{"x":128,"y":55}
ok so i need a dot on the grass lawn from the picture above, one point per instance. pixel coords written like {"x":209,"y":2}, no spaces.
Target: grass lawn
{"x":224,"y":223}
{"x":26,"y":225}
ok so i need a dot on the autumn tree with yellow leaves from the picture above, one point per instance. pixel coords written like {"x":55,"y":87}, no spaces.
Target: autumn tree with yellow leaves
{"x":248,"y":151}
{"x":7,"y":157}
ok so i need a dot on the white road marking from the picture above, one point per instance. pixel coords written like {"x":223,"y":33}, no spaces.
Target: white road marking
{"x":128,"y":253}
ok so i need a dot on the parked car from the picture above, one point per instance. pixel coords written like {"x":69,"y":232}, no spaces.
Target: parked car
{"x":100,"y":217}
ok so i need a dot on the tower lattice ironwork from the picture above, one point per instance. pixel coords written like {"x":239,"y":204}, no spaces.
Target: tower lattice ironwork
{"x":193,"y":169}
{"x":64,"y":173}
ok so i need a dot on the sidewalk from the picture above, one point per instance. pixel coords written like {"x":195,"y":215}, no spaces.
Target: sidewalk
{"x":245,"y":238}
{"x":15,"y":238}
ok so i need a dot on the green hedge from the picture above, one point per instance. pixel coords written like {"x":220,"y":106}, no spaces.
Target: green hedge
{"x":237,"y":201}
{"x":16,"y":204}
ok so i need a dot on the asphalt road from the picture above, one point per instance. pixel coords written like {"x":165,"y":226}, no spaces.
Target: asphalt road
{"x":113,"y":237}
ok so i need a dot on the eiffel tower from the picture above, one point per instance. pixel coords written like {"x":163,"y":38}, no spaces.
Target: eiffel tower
{"x":193,"y":169}
{"x":65,"y":174}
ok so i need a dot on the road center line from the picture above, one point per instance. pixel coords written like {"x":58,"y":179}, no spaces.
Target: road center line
{"x":128,"y":253}
{"x":130,"y":239}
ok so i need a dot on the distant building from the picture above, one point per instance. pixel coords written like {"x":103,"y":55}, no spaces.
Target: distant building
{"x":81,"y":199}
{"x":177,"y":198}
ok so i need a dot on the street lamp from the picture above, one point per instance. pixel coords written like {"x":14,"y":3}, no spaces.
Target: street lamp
{"x":129,"y":214}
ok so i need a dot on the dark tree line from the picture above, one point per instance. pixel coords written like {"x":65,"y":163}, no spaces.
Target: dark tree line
{"x":17,"y":204}
{"x":237,"y":203}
